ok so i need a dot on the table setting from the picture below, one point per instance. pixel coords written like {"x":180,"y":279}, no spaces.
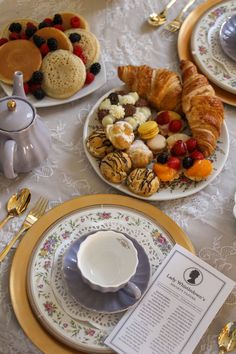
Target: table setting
{"x":81,"y":166}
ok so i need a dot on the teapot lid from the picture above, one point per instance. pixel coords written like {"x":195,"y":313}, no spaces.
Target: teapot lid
{"x":15,"y":114}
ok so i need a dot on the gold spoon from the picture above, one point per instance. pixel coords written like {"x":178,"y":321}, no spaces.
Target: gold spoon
{"x":16,"y":205}
{"x":227,"y":338}
{"x":157,"y":20}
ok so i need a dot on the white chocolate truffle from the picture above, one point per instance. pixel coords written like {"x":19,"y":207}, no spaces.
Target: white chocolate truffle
{"x":117,"y":111}
{"x":145,"y":111}
{"x":133,"y":122}
{"x":126,"y":99}
{"x":106,"y":104}
{"x":139,"y":117}
{"x":134,"y":95}
{"x":108,"y":119}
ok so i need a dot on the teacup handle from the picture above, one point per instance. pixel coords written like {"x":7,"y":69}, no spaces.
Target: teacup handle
{"x":8,"y":159}
{"x":133,"y":290}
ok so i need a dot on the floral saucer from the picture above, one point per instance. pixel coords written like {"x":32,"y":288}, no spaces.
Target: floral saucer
{"x":103,"y":302}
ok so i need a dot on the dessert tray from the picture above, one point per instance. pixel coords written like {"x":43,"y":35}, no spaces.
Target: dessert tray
{"x":184,"y":44}
{"x":48,"y":308}
{"x":206,"y":47}
{"x":179,"y":188}
{"x":49,"y":101}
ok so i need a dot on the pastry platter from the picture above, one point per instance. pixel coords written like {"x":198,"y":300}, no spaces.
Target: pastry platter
{"x":184,"y":45}
{"x":179,"y":189}
{"x":44,"y":311}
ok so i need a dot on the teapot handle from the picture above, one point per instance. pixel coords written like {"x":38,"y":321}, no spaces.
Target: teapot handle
{"x":8,"y":159}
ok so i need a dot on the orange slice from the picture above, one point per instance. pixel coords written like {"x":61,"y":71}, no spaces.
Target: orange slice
{"x":200,"y":170}
{"x":164,"y":172}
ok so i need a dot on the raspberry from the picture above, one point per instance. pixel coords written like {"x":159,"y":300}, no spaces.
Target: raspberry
{"x":89,"y":78}
{"x":75,"y":22}
{"x":75,"y":37}
{"x":191,"y":144}
{"x":59,"y":27}
{"x":163,"y":118}
{"x":175,"y":125}
{"x":52,"y":43}
{"x":39,"y":94}
{"x":14,"y":35}
{"x":3,"y":41}
{"x":57,"y":19}
{"x":113,"y":97}
{"x":77,"y":50}
{"x":48,"y":20}
{"x":179,"y":148}
{"x":15,"y":27}
{"x":31,"y":25}
{"x":37,"y":77}
{"x":26,"y":88}
{"x":197,"y":155}
{"x":23,"y":36}
{"x":83,"y":58}
{"x":95,"y":68}
{"x":188,"y":162}
{"x":34,"y":87}
{"x":44,"y":49}
{"x":163,"y":158}
{"x":174,"y":163}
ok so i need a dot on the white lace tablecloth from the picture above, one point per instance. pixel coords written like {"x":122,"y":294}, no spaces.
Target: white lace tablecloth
{"x":206,"y":217}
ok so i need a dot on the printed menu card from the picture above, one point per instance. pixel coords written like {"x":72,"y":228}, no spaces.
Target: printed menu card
{"x":183,"y":297}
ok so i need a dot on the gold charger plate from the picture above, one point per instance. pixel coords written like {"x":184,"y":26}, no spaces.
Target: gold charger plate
{"x":184,"y":49}
{"x":18,"y":275}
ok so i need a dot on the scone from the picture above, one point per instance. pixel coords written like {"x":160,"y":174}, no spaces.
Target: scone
{"x":89,"y":44}
{"x":143,"y":181}
{"x":19,"y":55}
{"x":64,"y":74}
{"x":120,"y":134}
{"x":115,"y":166}
{"x":140,"y":154}
{"x":63,"y":41}
{"x":98,"y":145}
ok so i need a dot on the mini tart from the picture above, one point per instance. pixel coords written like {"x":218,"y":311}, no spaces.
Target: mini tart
{"x":200,"y":170}
{"x":19,"y":55}
{"x":66,"y":18}
{"x":165,"y":173}
{"x":23,"y":21}
{"x":98,"y":145}
{"x":143,"y":181}
{"x":115,"y":166}
{"x":63,"y":41}
{"x":148,"y":130}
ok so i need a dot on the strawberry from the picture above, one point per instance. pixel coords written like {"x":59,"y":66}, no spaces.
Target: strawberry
{"x":197,"y":155}
{"x":175,"y":125}
{"x":30,"y":25}
{"x":174,"y":163}
{"x":48,"y":20}
{"x":3,"y":41}
{"x":89,"y":78}
{"x":14,"y":35}
{"x":179,"y":148}
{"x":59,"y":27}
{"x":75,"y":22}
{"x":26,"y":88}
{"x":163,"y":118}
{"x":77,"y":50}
{"x":191,"y":144}
{"x":44,"y":49}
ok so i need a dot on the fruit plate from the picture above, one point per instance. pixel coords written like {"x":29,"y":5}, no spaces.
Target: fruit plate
{"x":179,"y":188}
{"x":100,"y":80}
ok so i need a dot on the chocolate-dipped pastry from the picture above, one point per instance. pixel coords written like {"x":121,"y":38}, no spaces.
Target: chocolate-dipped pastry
{"x":143,"y":181}
{"x":98,"y":145}
{"x":115,"y":166}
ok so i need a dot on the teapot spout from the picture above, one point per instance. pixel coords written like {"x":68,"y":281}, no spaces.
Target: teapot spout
{"x":18,"y":85}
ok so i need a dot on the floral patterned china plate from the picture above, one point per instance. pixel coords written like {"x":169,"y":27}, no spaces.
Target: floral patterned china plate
{"x":207,"y":50}
{"x":98,"y":301}
{"x":100,"y":80}
{"x":179,"y":188}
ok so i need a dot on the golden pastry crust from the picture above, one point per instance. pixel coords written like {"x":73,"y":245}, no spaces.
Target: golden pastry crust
{"x":120,"y":134}
{"x":115,"y":166}
{"x":98,"y":145}
{"x":140,"y":154}
{"x":143,"y":181}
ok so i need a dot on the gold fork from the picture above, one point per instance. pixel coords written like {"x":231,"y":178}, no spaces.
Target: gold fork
{"x":157,"y":20}
{"x":175,"y":24}
{"x":33,"y":215}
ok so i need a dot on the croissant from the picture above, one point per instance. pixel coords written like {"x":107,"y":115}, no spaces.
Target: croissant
{"x":160,"y":87}
{"x":204,"y":111}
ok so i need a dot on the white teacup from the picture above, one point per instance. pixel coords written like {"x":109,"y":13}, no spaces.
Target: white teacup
{"x":107,"y":261}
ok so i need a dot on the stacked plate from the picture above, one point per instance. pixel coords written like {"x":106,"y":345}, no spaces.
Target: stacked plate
{"x":205,"y":38}
{"x":58,"y":311}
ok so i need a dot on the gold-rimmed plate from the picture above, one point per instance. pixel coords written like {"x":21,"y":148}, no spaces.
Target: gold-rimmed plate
{"x":184,"y":41}
{"x":18,"y":285}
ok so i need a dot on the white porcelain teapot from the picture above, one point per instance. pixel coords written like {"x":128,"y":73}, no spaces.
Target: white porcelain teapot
{"x":24,"y":140}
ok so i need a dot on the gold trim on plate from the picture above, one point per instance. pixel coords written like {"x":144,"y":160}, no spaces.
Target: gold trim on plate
{"x":18,"y":287}
{"x":184,"y":49}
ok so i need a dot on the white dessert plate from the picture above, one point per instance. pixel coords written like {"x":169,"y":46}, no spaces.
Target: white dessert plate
{"x":207,"y":50}
{"x":99,"y":81}
{"x":179,"y":188}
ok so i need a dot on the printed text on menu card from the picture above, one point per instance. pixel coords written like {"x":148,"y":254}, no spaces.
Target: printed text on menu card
{"x":184,"y":296}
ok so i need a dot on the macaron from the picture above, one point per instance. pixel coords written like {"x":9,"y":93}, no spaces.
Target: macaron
{"x":148,"y":130}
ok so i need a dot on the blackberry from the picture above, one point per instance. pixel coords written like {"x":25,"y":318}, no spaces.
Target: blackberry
{"x":30,"y":31}
{"x":52,"y":43}
{"x":75,"y":37}
{"x":38,"y":41}
{"x":95,"y":68}
{"x":57,"y":19}
{"x":163,"y":158}
{"x":44,"y":24}
{"x":188,"y":162}
{"x":37,"y":77}
{"x":113,"y":97}
{"x":15,"y":27}
{"x":39,"y":94}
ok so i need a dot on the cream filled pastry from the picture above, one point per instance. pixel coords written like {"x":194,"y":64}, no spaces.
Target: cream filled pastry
{"x":115,"y":166}
{"x":143,"y":181}
{"x":98,"y":145}
{"x":140,"y":154}
{"x":120,"y":134}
